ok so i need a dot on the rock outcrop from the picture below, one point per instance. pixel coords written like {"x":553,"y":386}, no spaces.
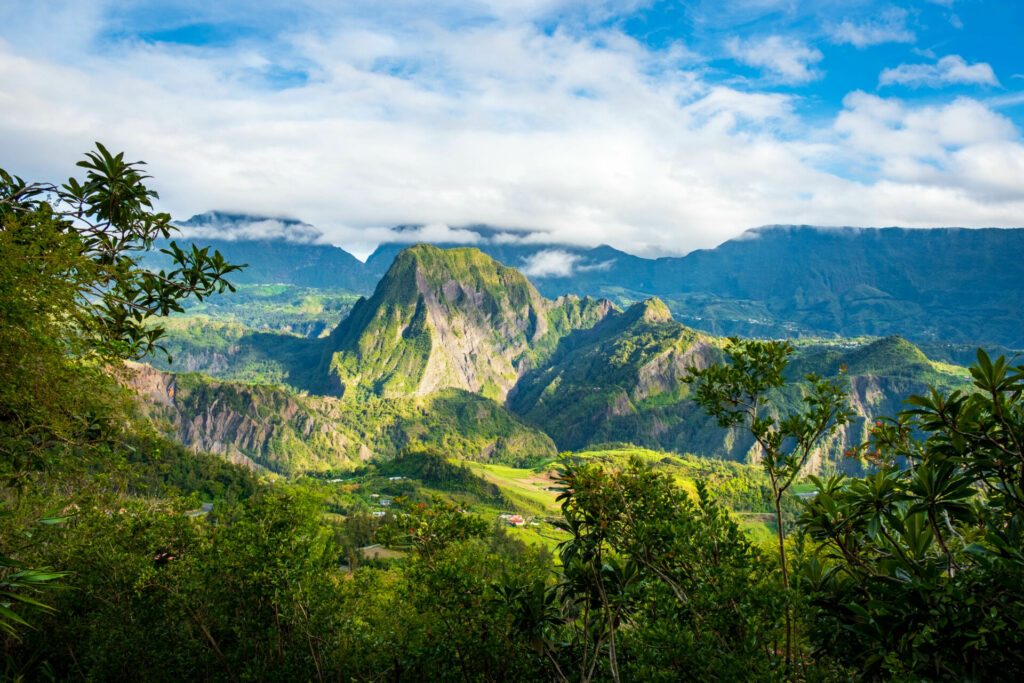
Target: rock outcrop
{"x":450,"y":319}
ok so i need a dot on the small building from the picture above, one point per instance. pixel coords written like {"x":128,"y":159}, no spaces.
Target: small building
{"x":513,"y":520}
{"x":385,"y":502}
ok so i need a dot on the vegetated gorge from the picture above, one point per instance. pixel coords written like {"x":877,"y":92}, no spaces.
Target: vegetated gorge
{"x":452,"y":339}
{"x":284,"y":472}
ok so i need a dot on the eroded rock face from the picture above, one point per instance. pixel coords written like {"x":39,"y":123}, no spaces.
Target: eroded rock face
{"x":450,"y":318}
{"x":624,"y":381}
{"x":285,"y":432}
{"x":663,"y":373}
{"x":246,"y":424}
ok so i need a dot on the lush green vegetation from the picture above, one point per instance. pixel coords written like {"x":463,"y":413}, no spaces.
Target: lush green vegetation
{"x":126,"y":557}
{"x":592,"y":374}
{"x":301,"y":311}
{"x":449,"y":318}
{"x":291,"y":433}
{"x":622,"y":381}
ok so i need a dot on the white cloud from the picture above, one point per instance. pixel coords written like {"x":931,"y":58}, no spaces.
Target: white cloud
{"x":508,"y":238}
{"x":583,"y":138}
{"x":550,"y":263}
{"x":245,"y":228}
{"x":434,"y":232}
{"x":950,"y":70}
{"x":786,"y":59}
{"x":961,"y":154}
{"x":889,"y":27}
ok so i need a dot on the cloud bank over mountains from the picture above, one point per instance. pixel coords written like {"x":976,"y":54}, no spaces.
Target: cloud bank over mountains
{"x":241,"y":227}
{"x":546,"y":115}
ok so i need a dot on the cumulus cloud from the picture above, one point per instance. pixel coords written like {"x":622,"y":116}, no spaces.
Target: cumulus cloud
{"x":889,"y":27}
{"x":476,"y":114}
{"x":958,"y":154}
{"x":434,"y":232}
{"x":950,"y":70}
{"x":239,"y":228}
{"x":508,"y":238}
{"x":786,"y":59}
{"x":550,"y":263}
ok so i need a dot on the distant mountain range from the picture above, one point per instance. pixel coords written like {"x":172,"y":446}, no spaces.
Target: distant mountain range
{"x":940,"y":286}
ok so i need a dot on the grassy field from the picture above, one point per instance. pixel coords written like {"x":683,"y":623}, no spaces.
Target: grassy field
{"x":528,"y":489}
{"x":490,"y":490}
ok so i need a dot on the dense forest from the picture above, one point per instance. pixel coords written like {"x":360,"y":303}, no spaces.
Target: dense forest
{"x":124,"y":555}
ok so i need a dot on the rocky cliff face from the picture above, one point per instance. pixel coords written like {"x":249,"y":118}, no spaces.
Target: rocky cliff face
{"x":605,"y":384}
{"x":250,"y":424}
{"x":449,"y":319}
{"x":270,"y":427}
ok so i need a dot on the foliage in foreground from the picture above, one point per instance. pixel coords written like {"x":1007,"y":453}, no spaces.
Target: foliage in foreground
{"x":912,"y":573}
{"x":74,"y":304}
{"x":920,"y":565}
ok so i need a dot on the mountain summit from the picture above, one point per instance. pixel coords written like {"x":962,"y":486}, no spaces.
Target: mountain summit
{"x":450,"y":318}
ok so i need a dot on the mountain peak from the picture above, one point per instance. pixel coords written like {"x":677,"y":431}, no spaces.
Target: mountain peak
{"x":651,"y":310}
{"x":654,"y":310}
{"x":449,"y":318}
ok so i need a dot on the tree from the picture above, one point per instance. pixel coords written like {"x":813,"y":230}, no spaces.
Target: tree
{"x":75,"y":301}
{"x":658,"y":586}
{"x":919,"y":566}
{"x":742,"y":393}
{"x":74,"y":304}
{"x":108,"y":220}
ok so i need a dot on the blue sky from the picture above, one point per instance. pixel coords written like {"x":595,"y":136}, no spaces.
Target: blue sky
{"x":657,"y":127}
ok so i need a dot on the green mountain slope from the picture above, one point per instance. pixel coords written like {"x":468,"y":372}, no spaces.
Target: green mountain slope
{"x":303,"y":311}
{"x":449,"y":318}
{"x":577,"y":369}
{"x":622,"y":381}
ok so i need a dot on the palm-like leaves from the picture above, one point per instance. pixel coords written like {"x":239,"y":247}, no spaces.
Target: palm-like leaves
{"x":18,"y":585}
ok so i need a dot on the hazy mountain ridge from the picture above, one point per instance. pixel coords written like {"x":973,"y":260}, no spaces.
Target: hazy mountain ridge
{"x":938,"y":285}
{"x":277,"y":250}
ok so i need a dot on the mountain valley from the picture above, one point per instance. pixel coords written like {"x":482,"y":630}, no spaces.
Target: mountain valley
{"x":541,"y":374}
